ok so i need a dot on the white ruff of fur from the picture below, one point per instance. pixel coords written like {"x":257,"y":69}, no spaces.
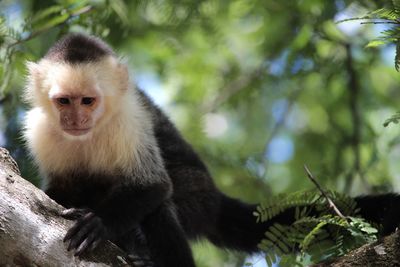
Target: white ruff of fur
{"x":117,"y":143}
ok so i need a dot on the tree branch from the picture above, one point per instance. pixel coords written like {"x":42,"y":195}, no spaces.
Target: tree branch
{"x":31,"y":229}
{"x":331,"y":204}
{"x":385,"y":252}
{"x":33,"y":35}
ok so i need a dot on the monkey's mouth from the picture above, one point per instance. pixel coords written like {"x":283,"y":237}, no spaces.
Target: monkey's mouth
{"x":77,"y":131}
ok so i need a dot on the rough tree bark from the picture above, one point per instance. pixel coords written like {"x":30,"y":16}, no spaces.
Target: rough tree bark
{"x":385,"y":252}
{"x":31,"y":229}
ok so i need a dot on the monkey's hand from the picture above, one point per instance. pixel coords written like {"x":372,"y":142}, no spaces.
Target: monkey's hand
{"x":87,"y":232}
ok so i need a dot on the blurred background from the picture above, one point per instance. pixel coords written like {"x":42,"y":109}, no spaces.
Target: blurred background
{"x":258,"y":87}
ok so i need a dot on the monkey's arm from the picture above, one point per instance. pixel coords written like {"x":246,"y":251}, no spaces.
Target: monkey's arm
{"x":127,"y":205}
{"x":121,"y":210}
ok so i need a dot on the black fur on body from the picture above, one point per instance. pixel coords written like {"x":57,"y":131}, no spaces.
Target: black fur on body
{"x":180,"y":202}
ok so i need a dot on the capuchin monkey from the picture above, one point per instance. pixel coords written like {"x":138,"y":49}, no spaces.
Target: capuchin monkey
{"x":122,"y":169}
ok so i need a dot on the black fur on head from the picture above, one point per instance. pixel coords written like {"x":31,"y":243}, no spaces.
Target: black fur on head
{"x":78,"y":48}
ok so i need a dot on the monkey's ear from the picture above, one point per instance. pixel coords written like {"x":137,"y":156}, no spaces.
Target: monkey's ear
{"x":123,"y":76}
{"x":33,"y":81}
{"x":33,"y":68}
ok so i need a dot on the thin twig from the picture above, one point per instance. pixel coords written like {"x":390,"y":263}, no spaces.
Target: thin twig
{"x":33,"y":35}
{"x":331,"y":204}
{"x":380,"y":22}
{"x":9,"y":48}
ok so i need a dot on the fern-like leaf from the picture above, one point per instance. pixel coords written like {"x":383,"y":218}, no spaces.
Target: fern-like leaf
{"x":316,"y":232}
{"x":395,"y":118}
{"x":397,"y":56}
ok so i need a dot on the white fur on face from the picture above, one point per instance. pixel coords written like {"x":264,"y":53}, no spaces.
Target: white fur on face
{"x":119,"y":141}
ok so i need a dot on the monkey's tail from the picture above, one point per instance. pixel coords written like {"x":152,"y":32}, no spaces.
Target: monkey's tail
{"x":381,"y":209}
{"x":236,"y":226}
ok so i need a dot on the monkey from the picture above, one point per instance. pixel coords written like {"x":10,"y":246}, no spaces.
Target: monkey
{"x":121,"y":168}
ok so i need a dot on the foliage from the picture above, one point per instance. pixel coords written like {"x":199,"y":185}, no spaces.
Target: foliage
{"x":391,"y":35}
{"x":316,"y":233}
{"x":393,"y":119}
{"x":71,"y":12}
{"x":390,"y":17}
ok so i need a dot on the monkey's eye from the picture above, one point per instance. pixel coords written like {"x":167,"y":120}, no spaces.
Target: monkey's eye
{"x":87,"y":101}
{"x":63,"y":101}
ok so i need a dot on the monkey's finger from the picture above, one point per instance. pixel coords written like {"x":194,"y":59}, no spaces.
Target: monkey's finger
{"x":78,"y":225}
{"x":72,"y":231}
{"x":83,"y":229}
{"x":95,"y":244}
{"x":80,"y":236}
{"x":98,"y":237}
{"x":85,"y":245}
{"x":140,"y":261}
{"x":92,"y":241}
{"x":73,"y":213}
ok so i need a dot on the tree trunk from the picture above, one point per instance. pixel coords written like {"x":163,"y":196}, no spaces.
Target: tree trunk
{"x":31,"y":229}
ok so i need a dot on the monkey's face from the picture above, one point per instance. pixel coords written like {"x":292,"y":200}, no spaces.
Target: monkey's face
{"x":78,"y":114}
{"x":77,"y":99}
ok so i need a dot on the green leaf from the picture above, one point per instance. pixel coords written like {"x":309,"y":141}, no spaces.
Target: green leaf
{"x":120,"y":9}
{"x":397,"y":56}
{"x":394,"y":119}
{"x":396,"y":4}
{"x":45,"y":13}
{"x":311,"y":236}
{"x":302,"y":38}
{"x":369,"y":230}
{"x":333,"y":32}
{"x":56,"y":21}
{"x":383,"y":13}
{"x":375,"y":43}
